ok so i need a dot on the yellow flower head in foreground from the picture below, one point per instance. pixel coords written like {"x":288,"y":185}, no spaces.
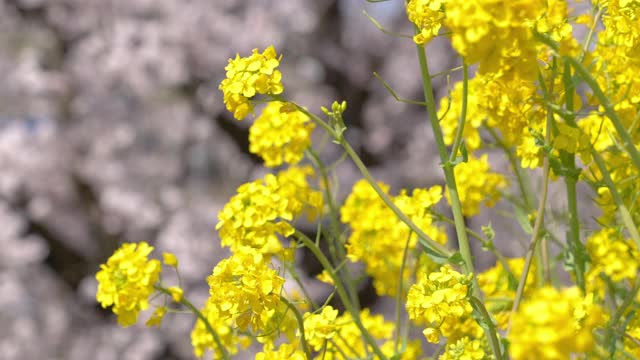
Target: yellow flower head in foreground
{"x":245,"y":289}
{"x":477,"y":185}
{"x":280,"y":135}
{"x":553,"y":324}
{"x":248,"y":76}
{"x":262,"y":209}
{"x":126,"y":281}
{"x":442,"y":296}
{"x":427,"y":15}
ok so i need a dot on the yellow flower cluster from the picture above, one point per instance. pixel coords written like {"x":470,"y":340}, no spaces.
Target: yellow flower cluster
{"x":321,"y":327}
{"x":543,"y":324}
{"x":465,"y":349}
{"x":339,"y":338}
{"x":245,"y":289}
{"x":498,"y":35}
{"x":263,"y":208}
{"x":477,"y":185}
{"x":622,"y":27}
{"x":127,"y":280}
{"x":612,"y":255}
{"x":284,"y":352}
{"x":378,"y":238}
{"x":427,"y":15}
{"x":248,"y":76}
{"x":202,"y":339}
{"x":441,"y":297}
{"x":280,"y":134}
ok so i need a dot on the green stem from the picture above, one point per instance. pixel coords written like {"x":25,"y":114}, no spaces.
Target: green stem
{"x":535,"y":234}
{"x":342,"y":293}
{"x":423,"y":238}
{"x":399,"y":296}
{"x":336,"y":244}
{"x":571,"y":181}
{"x":199,"y":315}
{"x":300,"y":321}
{"x":463,"y":113}
{"x":456,"y":208}
{"x":627,"y":220}
{"x":493,"y":338}
{"x":602,"y":98}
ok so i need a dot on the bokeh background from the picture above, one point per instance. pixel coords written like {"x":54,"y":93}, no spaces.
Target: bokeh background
{"x":112,"y":129}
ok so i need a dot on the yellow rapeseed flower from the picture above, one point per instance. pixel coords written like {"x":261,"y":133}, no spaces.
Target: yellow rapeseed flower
{"x":440,"y":297}
{"x":127,"y":280}
{"x":427,"y":15}
{"x":284,"y":352}
{"x":245,"y":289}
{"x":464,"y":349}
{"x":477,"y":185}
{"x":542,"y":326}
{"x":261,"y":210}
{"x":280,"y":135}
{"x":248,"y":76}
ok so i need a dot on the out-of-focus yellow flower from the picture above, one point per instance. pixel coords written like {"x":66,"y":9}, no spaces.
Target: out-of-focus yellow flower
{"x":541,"y":329}
{"x":326,"y":278}
{"x":248,"y":76}
{"x":156,"y":317}
{"x":202,"y":340}
{"x":284,"y":352}
{"x":477,"y":185}
{"x":464,"y":349}
{"x":169,"y":259}
{"x":176,"y":293}
{"x":127,"y":280}
{"x":280,"y":135}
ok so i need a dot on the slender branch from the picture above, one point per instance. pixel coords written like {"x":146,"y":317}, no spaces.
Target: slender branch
{"x":463,"y":113}
{"x":200,"y":315}
{"x":342,"y":293}
{"x":300,"y":321}
{"x":491,"y":327}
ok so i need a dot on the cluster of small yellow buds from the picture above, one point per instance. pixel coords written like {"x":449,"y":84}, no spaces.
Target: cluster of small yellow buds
{"x":464,"y":349}
{"x":321,"y":327}
{"x":248,"y":76}
{"x":427,"y":15}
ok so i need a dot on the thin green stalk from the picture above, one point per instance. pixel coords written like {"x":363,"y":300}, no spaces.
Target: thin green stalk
{"x":535,"y":234}
{"x":571,"y":181}
{"x":463,"y":113}
{"x":581,"y":70}
{"x":205,"y":321}
{"x":456,"y":207}
{"x":423,"y":238}
{"x":300,"y":321}
{"x":342,"y":293}
{"x":336,"y":243}
{"x":491,"y":328}
{"x":399,"y":296}
{"x":627,"y":220}
{"x":523,"y":184}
